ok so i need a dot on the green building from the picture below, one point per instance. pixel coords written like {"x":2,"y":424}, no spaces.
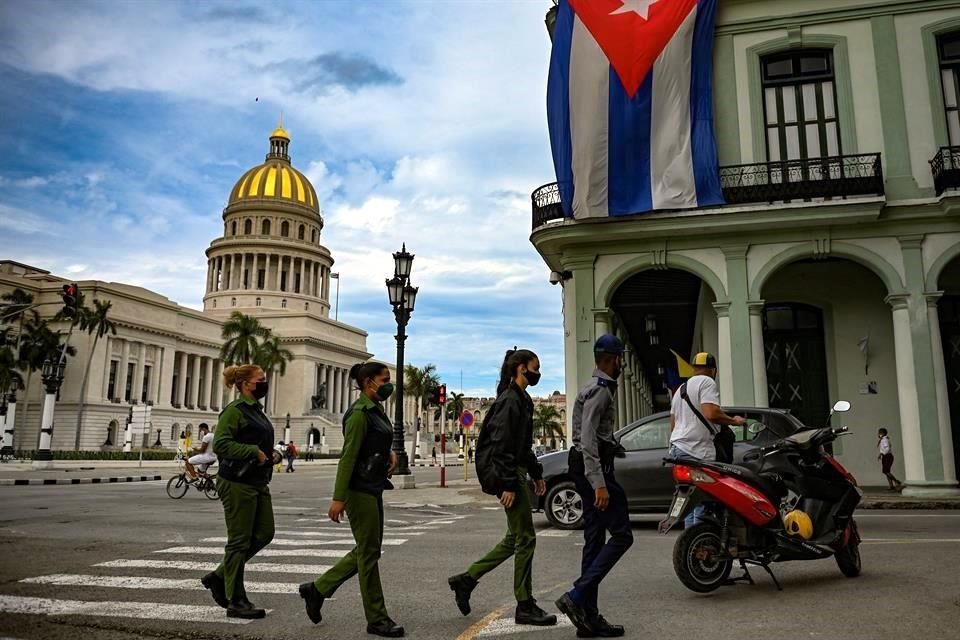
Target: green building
{"x":834,"y":270}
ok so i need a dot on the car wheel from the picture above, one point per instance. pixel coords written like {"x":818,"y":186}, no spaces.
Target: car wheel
{"x":563,"y":506}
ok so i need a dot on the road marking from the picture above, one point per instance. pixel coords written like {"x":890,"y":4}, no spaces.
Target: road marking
{"x":116,"y":609}
{"x":346,"y":533}
{"x":141,"y":582}
{"x":263,"y":553}
{"x":184,"y":565}
{"x":908,"y":540}
{"x":481,"y":624}
{"x":555,"y":533}
{"x":505,"y":626}
{"x":904,"y":514}
{"x":388,"y":542}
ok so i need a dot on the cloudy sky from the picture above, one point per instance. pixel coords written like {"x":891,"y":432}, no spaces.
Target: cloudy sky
{"x":126,"y":123}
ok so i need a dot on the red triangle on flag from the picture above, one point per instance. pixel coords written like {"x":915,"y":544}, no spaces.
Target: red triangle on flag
{"x":632,"y":33}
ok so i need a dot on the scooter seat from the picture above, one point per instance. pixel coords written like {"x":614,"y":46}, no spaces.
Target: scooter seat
{"x":771,"y":487}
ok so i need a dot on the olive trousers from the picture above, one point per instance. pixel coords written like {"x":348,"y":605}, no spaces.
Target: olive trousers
{"x":248,"y":512}
{"x":519,"y":542}
{"x":365,"y":513}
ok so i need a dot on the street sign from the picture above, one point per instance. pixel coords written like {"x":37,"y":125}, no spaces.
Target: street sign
{"x":466,"y":419}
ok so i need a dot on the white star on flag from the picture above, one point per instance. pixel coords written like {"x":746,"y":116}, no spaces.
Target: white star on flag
{"x":639,"y":7}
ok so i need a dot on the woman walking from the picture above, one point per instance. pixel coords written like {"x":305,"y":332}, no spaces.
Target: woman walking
{"x":886,"y":459}
{"x":504,"y":458}
{"x":365,"y":465}
{"x":244,"y":446}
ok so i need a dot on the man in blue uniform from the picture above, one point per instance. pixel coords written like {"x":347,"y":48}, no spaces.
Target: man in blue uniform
{"x":604,"y":500}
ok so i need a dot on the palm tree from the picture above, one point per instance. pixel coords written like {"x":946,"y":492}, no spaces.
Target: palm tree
{"x":546,"y":422}
{"x":39,"y":343}
{"x":419,"y":381}
{"x":271,"y":356}
{"x":96,"y":322}
{"x":240,"y":333}
{"x":10,"y":378}
{"x":455,"y":406}
{"x":16,"y":305}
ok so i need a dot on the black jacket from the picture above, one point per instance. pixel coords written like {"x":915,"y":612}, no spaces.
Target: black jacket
{"x":506,"y":443}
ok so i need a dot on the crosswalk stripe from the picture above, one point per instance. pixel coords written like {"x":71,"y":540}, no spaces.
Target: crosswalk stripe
{"x":505,"y":626}
{"x":387,"y":542}
{"x":142,"y":582}
{"x":263,"y":553}
{"x":116,"y":609}
{"x":184,"y":565}
{"x":336,"y":534}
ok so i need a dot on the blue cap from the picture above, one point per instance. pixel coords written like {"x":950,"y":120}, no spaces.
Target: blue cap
{"x":608,"y":344}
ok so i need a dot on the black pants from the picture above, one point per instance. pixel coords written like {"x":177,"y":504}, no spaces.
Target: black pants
{"x":290,"y":464}
{"x":601,"y":554}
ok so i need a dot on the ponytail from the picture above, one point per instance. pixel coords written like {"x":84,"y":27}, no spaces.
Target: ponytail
{"x":362,"y":372}
{"x":236,"y":374}
{"x":511,"y":362}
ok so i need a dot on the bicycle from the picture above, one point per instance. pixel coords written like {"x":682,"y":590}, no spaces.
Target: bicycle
{"x":178,"y":485}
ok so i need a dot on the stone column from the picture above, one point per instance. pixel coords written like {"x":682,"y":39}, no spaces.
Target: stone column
{"x":219,"y":390}
{"x":324,"y":284}
{"x":739,"y":361}
{"x":308,"y":271}
{"x":345,"y":388}
{"x":725,"y":374}
{"x":207,"y":384}
{"x":137,"y":390}
{"x":907,"y":391}
{"x":122,"y":371}
{"x":759,"y":354}
{"x":165,"y":379}
{"x":181,"y":397}
{"x":108,"y":344}
{"x":195,"y":382}
{"x":335,"y":390}
{"x":279,"y":271}
{"x":153,"y":386}
{"x":940,"y":383}
{"x":243,"y":269}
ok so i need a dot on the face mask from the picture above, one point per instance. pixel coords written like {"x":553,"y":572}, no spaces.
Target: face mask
{"x":260,"y":389}
{"x":385,"y":390}
{"x":533,"y":377}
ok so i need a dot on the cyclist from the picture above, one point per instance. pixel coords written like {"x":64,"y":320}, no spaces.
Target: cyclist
{"x":205,"y":456}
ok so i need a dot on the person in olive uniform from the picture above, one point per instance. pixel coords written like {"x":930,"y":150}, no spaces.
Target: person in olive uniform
{"x":504,"y":457}
{"x":366,"y":464}
{"x":244,"y":447}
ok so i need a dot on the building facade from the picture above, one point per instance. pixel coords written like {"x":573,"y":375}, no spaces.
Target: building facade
{"x":833,"y":271}
{"x":269,"y":264}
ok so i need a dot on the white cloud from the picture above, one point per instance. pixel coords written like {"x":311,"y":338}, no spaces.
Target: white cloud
{"x":75,"y":269}
{"x":374,"y":216}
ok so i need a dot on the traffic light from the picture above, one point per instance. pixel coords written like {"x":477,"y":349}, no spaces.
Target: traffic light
{"x":434,"y":396}
{"x":442,"y":395}
{"x":71,"y":298}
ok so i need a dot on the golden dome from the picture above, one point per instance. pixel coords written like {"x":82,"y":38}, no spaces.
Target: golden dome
{"x":276,"y":179}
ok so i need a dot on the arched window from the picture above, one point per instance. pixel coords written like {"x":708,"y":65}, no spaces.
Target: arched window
{"x":306,"y":306}
{"x":258,"y":302}
{"x":248,"y":226}
{"x":314,"y":236}
{"x":214,"y":303}
{"x":301,"y":233}
{"x":285,"y":229}
{"x":174,"y":432}
{"x":283,"y":304}
{"x":111,"y":434}
{"x":800,"y":104}
{"x":948,"y":48}
{"x":233,"y":302}
{"x":233,"y":228}
{"x":265,"y":228}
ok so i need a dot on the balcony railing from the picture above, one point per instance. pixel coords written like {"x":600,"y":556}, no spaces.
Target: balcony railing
{"x":946,"y":169}
{"x":808,"y":179}
{"x":834,"y":177}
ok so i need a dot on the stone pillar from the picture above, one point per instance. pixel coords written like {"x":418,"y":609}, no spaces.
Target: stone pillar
{"x":907,"y":392}
{"x":279,"y":271}
{"x":207,"y":384}
{"x":219,"y":390}
{"x":181,"y":397}
{"x":195,"y":383}
{"x":136,"y":393}
{"x":335,"y":390}
{"x":739,"y":362}
{"x":108,"y":344}
{"x":153,"y":386}
{"x":308,"y":271}
{"x":940,"y":384}
{"x":209,"y":275}
{"x":324,"y":284}
{"x":725,"y":374}
{"x":759,"y":354}
{"x":121,"y":387}
{"x":243,"y":270}
{"x":165,"y":379}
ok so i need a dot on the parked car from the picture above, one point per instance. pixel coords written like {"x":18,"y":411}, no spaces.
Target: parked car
{"x":647,"y":481}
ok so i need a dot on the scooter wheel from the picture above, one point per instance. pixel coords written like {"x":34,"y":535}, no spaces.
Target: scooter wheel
{"x":848,"y":558}
{"x":695,"y":558}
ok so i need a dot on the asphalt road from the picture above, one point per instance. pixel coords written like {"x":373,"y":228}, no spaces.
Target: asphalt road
{"x":124,"y":561}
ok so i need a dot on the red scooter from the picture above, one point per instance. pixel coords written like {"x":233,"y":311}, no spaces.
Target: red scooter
{"x":791,"y":500}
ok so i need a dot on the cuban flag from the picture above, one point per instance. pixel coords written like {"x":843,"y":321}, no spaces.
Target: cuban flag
{"x":630,"y":106}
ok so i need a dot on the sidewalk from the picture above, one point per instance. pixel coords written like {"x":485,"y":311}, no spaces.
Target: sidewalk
{"x":882,"y":498}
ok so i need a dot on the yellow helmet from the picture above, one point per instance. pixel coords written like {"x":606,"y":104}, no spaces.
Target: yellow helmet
{"x":798,"y":523}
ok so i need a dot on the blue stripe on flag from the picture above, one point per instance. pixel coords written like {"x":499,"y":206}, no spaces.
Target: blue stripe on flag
{"x":706,"y":166}
{"x":558,"y":105}
{"x":630,"y":189}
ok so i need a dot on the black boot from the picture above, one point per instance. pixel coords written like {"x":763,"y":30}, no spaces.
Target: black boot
{"x":600,"y":628}
{"x":578,"y":616}
{"x":462,"y":585}
{"x":218,"y":590}
{"x":243,"y":608}
{"x":313,"y":601}
{"x":529,"y":613}
{"x":386,"y":628}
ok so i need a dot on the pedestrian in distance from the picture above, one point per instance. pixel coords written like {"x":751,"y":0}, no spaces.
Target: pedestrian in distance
{"x":366,"y":464}
{"x":244,"y":446}
{"x":281,"y":454}
{"x":504,"y":459}
{"x":434,"y":455}
{"x":291,"y":454}
{"x":886,"y":459}
{"x":204,"y":456}
{"x":591,"y":463}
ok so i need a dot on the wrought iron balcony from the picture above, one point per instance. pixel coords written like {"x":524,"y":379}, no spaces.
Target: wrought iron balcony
{"x":946,"y":169}
{"x":834,"y":177}
{"x":808,"y":179}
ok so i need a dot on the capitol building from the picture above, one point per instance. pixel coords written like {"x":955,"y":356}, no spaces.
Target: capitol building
{"x":270,"y":264}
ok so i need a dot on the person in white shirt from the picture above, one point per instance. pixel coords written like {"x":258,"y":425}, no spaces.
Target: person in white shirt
{"x":689,"y":436}
{"x":205,"y":455}
{"x":886,"y":459}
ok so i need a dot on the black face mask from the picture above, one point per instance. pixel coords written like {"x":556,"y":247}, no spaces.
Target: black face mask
{"x":533,"y":377}
{"x":260,"y":390}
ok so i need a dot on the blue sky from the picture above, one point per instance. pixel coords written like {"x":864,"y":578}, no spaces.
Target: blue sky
{"x":125,"y":124}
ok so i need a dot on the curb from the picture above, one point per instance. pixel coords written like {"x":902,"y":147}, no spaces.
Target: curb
{"x":21,"y":482}
{"x":932,"y":504}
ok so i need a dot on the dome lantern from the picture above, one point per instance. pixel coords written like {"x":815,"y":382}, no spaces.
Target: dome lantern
{"x":279,"y":143}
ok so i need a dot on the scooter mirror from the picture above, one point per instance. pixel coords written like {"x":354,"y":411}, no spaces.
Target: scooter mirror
{"x":841,"y":406}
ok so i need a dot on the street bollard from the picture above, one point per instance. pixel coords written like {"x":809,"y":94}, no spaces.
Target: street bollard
{"x":443,"y":460}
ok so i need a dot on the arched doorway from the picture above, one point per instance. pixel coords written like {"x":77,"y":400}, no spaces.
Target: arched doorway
{"x":111,"y":440}
{"x":948,"y":310}
{"x":313,"y":437}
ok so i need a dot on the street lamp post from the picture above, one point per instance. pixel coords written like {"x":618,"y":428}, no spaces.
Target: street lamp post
{"x":52,"y":376}
{"x":9,"y":426}
{"x":286,"y":430}
{"x":403,"y":297}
